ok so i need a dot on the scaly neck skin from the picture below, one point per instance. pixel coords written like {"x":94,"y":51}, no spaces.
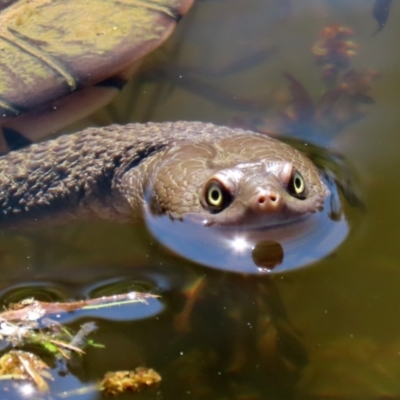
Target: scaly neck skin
{"x":108,"y":172}
{"x":132,"y":184}
{"x":75,"y":176}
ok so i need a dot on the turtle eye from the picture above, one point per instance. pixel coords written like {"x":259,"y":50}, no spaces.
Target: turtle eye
{"x":217,"y":196}
{"x":297,"y":186}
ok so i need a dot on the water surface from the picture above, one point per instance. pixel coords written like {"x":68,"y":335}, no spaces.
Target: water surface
{"x":329,"y":330}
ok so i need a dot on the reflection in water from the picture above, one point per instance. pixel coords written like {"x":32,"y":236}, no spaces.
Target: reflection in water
{"x":255,"y":251}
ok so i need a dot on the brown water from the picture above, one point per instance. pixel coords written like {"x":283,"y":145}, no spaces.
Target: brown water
{"x":331,"y":330}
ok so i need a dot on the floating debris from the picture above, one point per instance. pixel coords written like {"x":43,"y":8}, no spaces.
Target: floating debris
{"x":28,"y":323}
{"x":23,"y":365}
{"x":32,"y":310}
{"x":119,"y":382}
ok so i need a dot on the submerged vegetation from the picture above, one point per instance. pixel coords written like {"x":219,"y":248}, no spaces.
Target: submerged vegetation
{"x":345,"y":93}
{"x":27,"y":325}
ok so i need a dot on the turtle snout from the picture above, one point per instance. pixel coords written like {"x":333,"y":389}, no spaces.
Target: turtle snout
{"x":267,"y":201}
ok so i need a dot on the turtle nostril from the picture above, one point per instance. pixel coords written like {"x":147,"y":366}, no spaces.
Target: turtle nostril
{"x":267,"y":198}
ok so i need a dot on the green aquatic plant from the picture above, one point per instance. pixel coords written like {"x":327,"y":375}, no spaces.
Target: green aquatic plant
{"x":27,"y":325}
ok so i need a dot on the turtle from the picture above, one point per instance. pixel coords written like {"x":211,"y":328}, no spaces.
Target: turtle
{"x":63,"y":59}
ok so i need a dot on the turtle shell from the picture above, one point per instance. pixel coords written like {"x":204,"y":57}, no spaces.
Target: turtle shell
{"x":51,"y":48}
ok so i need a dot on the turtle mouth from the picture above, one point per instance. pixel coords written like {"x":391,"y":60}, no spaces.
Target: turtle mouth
{"x":256,"y":225}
